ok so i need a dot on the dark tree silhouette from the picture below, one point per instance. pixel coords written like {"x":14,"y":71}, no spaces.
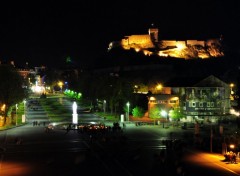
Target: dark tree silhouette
{"x":11,"y":87}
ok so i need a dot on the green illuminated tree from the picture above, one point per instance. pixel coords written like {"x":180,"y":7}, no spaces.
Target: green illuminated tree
{"x":176,"y":114}
{"x":138,"y":112}
{"x":154,"y":112}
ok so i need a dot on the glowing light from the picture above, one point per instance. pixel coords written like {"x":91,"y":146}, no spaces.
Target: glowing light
{"x":160,"y":53}
{"x":159,"y":87}
{"x":175,"y":98}
{"x":163,"y":113}
{"x":180,"y":46}
{"x":147,"y":53}
{"x":17,"y":168}
{"x":128,"y":104}
{"x":60,"y":83}
{"x":3,"y":107}
{"x":137,"y":49}
{"x":233,"y":112}
{"x":152,"y":98}
{"x":232,"y":146}
{"x":74,"y":115}
{"x":38,"y":89}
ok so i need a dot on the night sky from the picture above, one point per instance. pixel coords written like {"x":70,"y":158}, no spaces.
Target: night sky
{"x":46,"y":32}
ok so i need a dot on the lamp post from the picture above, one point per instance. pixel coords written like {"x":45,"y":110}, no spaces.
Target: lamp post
{"x":104,"y":106}
{"x":128,"y":104}
{"x":16,"y":113}
{"x":232,"y":146}
{"x":164,"y":114}
{"x":24,"y":111}
{"x":231,"y":86}
{"x":60,"y":83}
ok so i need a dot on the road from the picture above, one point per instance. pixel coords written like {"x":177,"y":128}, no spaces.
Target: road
{"x":137,"y":150}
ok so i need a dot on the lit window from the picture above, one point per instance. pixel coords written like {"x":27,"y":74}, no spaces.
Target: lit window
{"x":173,"y":101}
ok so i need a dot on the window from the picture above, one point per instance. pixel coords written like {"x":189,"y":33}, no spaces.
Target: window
{"x":200,"y":104}
{"x":192,"y":104}
{"x":173,"y":101}
{"x":208,"y":104}
{"x":212,"y":104}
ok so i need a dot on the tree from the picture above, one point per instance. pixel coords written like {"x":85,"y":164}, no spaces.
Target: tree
{"x":11,"y":87}
{"x":138,"y":112}
{"x":176,"y":114}
{"x":154,"y":112}
{"x":52,"y":77}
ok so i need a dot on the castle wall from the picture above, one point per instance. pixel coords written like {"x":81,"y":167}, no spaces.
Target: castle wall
{"x":166,"y":43}
{"x":136,"y":39}
{"x":181,"y":44}
{"x":213,"y":42}
{"x":196,"y":42}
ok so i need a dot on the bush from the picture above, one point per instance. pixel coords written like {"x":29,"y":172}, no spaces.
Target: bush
{"x":138,"y":112}
{"x":154,"y":112}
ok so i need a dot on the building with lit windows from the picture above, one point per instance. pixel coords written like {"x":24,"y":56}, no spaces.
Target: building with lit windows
{"x":206,"y":100}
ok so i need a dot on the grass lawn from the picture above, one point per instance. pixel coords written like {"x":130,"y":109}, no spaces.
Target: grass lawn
{"x":108,"y":116}
{"x":55,"y":110}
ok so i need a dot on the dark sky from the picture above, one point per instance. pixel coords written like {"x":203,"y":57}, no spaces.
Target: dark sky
{"x":46,"y":32}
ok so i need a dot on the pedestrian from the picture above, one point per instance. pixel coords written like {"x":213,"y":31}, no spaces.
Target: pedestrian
{"x":234,"y":158}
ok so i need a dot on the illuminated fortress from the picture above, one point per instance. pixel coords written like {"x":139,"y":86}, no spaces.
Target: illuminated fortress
{"x":149,"y":44}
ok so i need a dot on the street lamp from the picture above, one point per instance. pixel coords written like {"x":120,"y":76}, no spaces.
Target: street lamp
{"x":60,"y":83}
{"x":24,"y":110}
{"x":128,"y":104}
{"x":104,"y":106}
{"x":164,"y":114}
{"x":159,"y":87}
{"x":231,"y":86}
{"x":16,"y":113}
{"x":232,"y":146}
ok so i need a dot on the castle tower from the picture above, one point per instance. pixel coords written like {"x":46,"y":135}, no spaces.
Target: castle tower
{"x":153,"y":32}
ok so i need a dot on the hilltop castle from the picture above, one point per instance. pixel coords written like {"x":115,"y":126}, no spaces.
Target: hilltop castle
{"x":150,"y":44}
